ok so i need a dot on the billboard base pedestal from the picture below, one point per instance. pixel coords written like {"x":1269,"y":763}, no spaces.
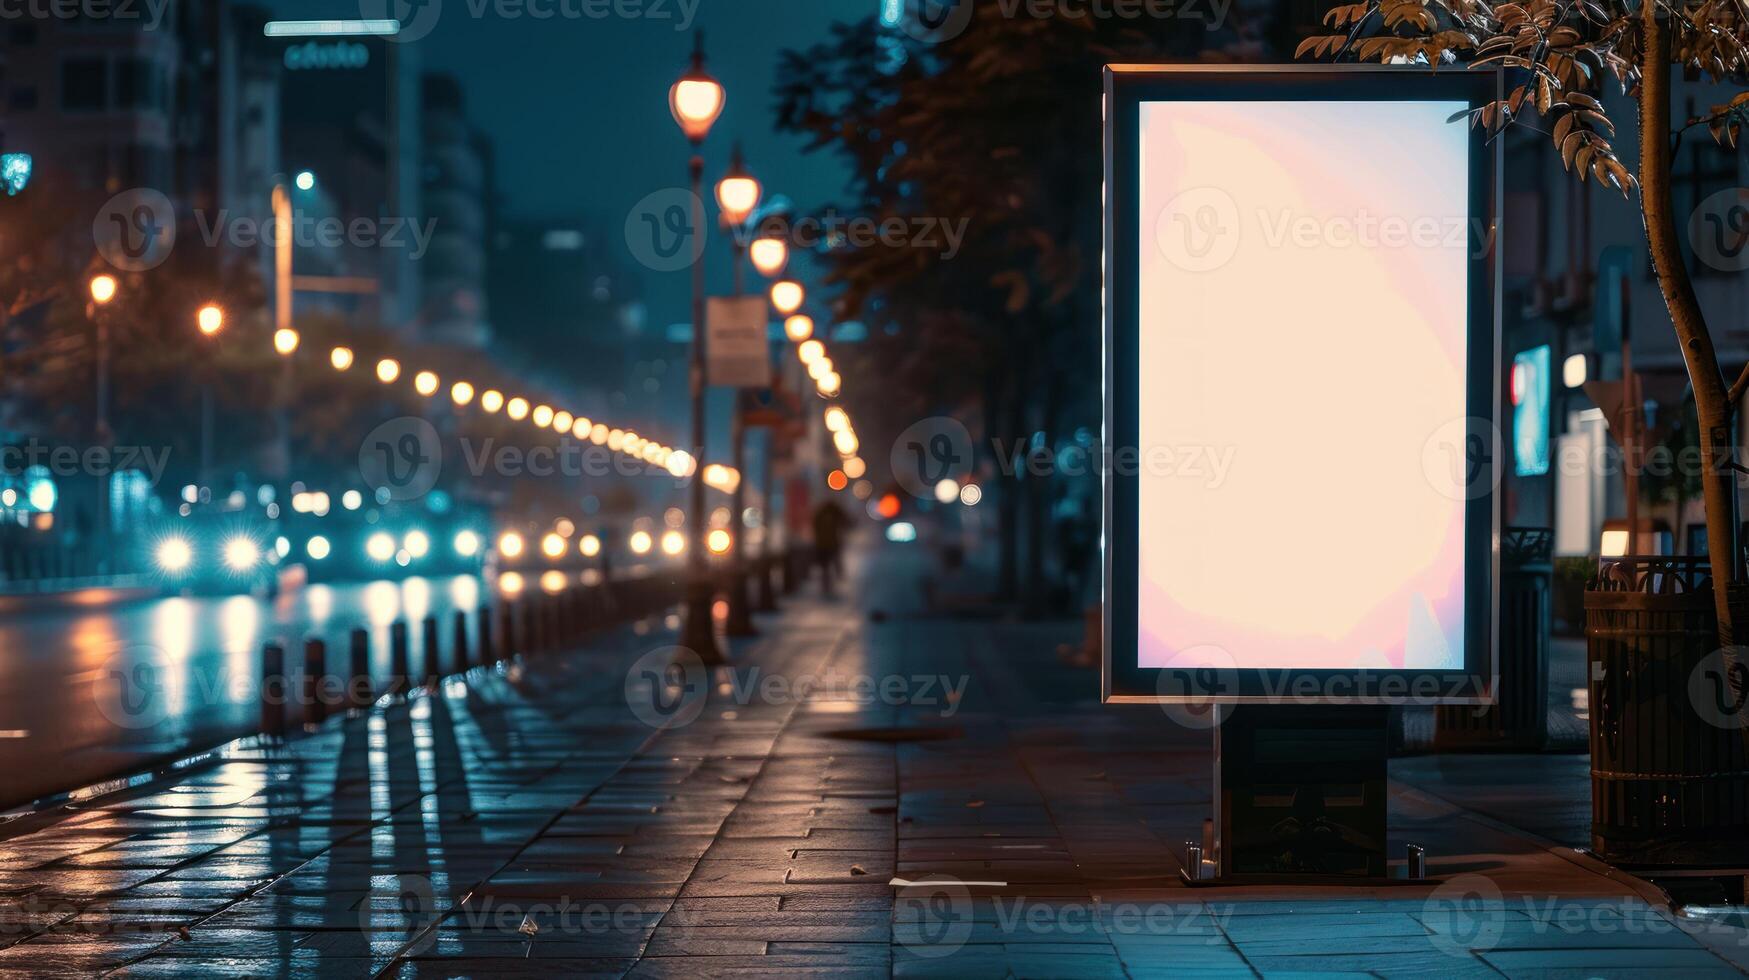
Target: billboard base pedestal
{"x":1300,"y":794}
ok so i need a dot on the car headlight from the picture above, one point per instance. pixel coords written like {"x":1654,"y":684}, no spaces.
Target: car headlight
{"x":416,"y":543}
{"x":174,"y":555}
{"x":380,"y":546}
{"x":241,"y":554}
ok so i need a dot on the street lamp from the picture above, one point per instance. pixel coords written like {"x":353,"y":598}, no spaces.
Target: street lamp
{"x":769,"y":255}
{"x":209,"y":320}
{"x":737,"y":195}
{"x":425,"y":383}
{"x":341,"y":358}
{"x":388,"y":369}
{"x":285,"y":341}
{"x":798,"y":327}
{"x":787,"y":296}
{"x":461,"y":392}
{"x":696,"y":100}
{"x":102,"y":289}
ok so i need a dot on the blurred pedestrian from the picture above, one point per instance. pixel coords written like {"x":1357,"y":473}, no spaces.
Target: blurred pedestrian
{"x":830,"y":520}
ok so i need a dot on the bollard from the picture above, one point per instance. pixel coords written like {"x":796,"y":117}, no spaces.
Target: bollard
{"x":588,"y":609}
{"x":359,"y":687}
{"x":559,"y":617}
{"x":764,"y":596}
{"x":554,"y":609}
{"x":787,"y":564}
{"x":1193,"y":860}
{"x":485,"y":624}
{"x":461,"y":642}
{"x":399,"y":661}
{"x":1417,"y":862}
{"x":573,"y":613}
{"x":273,"y":689}
{"x":507,"y":630}
{"x":428,"y":632}
{"x":311,"y":683}
{"x":532,"y":638}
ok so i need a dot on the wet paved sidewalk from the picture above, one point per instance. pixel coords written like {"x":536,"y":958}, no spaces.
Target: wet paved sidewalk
{"x":594,"y":814}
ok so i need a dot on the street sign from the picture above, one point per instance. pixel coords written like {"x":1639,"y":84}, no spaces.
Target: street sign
{"x":1301,"y":387}
{"x":735,"y":343}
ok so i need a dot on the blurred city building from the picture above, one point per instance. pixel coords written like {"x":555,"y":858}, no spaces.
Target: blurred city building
{"x":458,"y":204}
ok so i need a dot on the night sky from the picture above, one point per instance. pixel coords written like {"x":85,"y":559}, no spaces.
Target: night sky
{"x":577,"y":108}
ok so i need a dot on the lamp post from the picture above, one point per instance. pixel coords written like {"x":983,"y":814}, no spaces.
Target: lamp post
{"x":210,"y":319}
{"x":696,"y":100}
{"x":103,"y":289}
{"x":737,"y":196}
{"x":770,"y":254}
{"x":282,"y":325}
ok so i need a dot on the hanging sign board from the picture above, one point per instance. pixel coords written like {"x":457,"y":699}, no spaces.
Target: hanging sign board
{"x":736,"y":345}
{"x":1301,"y":350}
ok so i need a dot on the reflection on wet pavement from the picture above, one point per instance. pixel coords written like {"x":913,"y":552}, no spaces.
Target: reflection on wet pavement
{"x":105,"y":690}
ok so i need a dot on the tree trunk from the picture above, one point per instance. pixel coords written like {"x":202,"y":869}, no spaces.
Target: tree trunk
{"x":1039,"y":524}
{"x":1008,"y":505}
{"x":1718,"y":486}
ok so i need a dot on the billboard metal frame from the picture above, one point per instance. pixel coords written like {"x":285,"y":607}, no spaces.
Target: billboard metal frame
{"x":1123,"y":680}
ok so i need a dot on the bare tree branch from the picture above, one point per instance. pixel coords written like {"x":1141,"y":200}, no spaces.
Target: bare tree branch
{"x":1739,"y":387}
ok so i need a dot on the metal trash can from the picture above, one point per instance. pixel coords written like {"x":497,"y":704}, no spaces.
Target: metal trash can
{"x":1669,"y":781}
{"x":1518,"y":720}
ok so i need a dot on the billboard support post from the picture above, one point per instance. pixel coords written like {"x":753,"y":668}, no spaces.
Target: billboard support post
{"x":1300,"y":793}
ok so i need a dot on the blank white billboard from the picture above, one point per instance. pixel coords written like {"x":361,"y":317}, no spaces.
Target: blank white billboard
{"x":1302,"y":382}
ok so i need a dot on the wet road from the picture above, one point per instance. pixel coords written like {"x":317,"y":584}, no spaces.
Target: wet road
{"x":93,"y":689}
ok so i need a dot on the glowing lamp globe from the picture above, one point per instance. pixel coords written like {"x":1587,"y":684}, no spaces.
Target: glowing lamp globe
{"x":696,"y":100}
{"x":737,"y":193}
{"x":210,"y":319}
{"x":769,"y":255}
{"x":102,"y":289}
{"x":786,"y":296}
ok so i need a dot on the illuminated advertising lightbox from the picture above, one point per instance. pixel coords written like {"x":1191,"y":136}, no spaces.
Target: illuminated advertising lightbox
{"x":1300,"y":299}
{"x":1530,"y":412}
